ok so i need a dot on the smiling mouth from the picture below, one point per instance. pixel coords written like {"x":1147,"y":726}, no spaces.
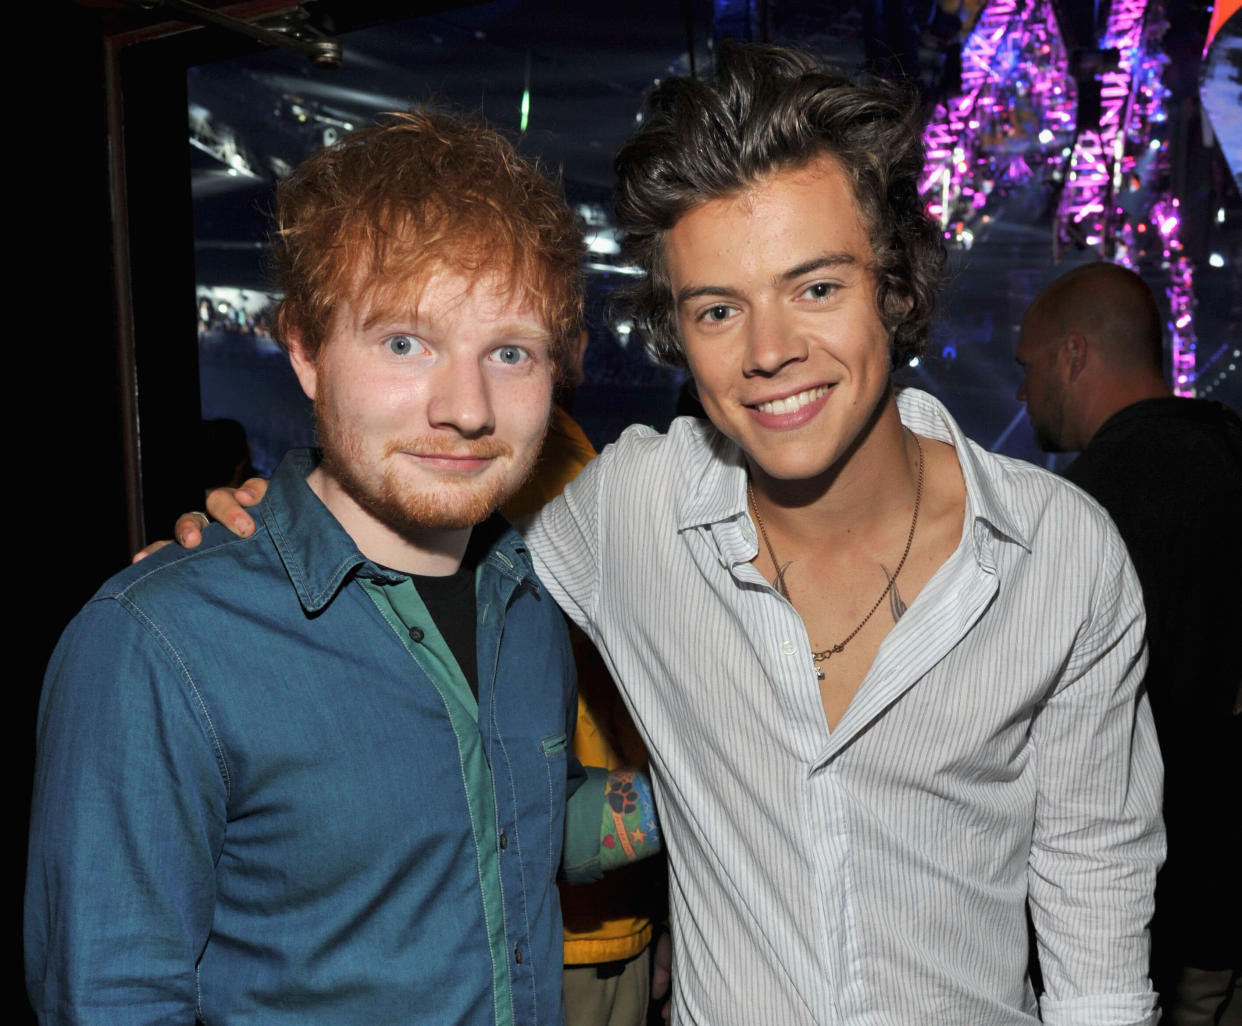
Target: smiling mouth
{"x":433,"y":450}
{"x":793,"y":403}
{"x":467,"y":463}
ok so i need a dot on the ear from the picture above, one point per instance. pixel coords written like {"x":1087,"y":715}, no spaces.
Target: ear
{"x":577,"y":355}
{"x":1074,"y":352}
{"x":304,"y":366}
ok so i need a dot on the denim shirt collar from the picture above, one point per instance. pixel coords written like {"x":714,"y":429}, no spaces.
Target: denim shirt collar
{"x":318,"y":554}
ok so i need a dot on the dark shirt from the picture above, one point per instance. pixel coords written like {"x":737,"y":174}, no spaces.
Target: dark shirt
{"x":450,"y":601}
{"x":1169,"y":471}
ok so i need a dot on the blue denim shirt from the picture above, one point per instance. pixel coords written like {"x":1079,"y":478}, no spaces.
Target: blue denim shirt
{"x":253,"y":804}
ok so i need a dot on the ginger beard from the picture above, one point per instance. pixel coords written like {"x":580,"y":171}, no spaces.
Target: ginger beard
{"x":376,"y":484}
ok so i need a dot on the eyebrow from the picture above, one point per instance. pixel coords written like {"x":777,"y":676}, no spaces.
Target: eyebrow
{"x":819,"y":263}
{"x":406,"y":322}
{"x":387,"y":318}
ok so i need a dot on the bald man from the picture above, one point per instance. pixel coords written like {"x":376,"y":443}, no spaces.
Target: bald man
{"x":1169,"y":471}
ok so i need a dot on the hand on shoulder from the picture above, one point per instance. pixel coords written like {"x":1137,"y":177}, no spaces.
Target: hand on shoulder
{"x":226,"y":505}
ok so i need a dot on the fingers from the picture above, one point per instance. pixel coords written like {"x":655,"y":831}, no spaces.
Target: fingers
{"x":227,"y":505}
{"x":155,"y":546}
{"x":661,"y":967}
{"x":189,"y":529}
{"x":252,"y":490}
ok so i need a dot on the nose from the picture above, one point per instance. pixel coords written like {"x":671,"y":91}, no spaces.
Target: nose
{"x":461,"y":400}
{"x":773,"y":341}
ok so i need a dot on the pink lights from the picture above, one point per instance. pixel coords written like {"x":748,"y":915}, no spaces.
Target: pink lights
{"x":1015,"y":118}
{"x":1012,"y":67}
{"x":1130,"y":105}
{"x":1181,"y":294}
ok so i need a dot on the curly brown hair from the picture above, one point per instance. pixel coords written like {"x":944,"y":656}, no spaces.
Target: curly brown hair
{"x":369,"y":218}
{"x":768,"y":109}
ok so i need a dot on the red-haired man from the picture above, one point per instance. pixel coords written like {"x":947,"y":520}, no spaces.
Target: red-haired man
{"x":321,"y":774}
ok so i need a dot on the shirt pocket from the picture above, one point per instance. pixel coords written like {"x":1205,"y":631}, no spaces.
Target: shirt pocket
{"x":555,"y":754}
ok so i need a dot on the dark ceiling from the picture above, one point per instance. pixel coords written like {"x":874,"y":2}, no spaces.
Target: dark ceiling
{"x":586,"y":68}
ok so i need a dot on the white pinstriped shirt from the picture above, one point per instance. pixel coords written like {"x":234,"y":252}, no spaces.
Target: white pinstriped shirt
{"x":876,"y":875}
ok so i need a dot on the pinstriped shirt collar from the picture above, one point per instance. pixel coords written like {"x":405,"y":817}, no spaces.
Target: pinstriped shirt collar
{"x":927,"y":416}
{"x":719,"y":493}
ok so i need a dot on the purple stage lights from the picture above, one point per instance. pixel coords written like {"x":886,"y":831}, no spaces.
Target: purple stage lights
{"x":1016,"y":117}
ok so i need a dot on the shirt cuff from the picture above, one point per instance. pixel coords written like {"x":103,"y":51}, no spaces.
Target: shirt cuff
{"x":580,"y":859}
{"x":1101,"y":1010}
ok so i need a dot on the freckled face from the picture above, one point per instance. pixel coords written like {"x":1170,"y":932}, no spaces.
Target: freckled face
{"x":776,"y":305}
{"x":431,"y":418}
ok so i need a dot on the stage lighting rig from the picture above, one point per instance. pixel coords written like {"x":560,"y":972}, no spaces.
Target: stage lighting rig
{"x":290,"y":30}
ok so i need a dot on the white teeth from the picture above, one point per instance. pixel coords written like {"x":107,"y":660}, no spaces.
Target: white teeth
{"x":792,"y":402}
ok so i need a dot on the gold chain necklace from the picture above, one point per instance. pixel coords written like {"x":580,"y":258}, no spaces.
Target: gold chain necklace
{"x":828,"y":653}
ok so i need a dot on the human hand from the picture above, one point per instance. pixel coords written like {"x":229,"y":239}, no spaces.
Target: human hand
{"x":227,"y":506}
{"x":155,"y":546}
{"x":662,"y":972}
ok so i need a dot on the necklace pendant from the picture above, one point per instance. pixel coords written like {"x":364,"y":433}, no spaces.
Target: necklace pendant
{"x":819,"y":674}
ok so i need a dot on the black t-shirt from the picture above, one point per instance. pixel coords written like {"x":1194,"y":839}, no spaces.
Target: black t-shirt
{"x":451,"y":600}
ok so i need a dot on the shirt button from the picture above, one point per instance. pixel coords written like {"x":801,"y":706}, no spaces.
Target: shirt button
{"x":788,"y":647}
{"x":504,"y":840}
{"x":416,"y":634}
{"x":517,"y":954}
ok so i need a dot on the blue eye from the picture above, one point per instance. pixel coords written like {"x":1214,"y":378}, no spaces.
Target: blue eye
{"x":400,"y":345}
{"x":511,"y":354}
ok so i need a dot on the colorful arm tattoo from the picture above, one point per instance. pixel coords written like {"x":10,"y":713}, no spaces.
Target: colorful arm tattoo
{"x":628,"y":830}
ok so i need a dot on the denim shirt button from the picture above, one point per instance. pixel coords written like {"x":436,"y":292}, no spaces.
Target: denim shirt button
{"x":416,"y":633}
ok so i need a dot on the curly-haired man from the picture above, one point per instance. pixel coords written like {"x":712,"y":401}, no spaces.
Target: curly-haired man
{"x":889,"y":681}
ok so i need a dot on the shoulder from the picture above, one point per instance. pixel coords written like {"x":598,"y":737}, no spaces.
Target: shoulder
{"x":172,"y":595}
{"x":1061,"y":559}
{"x":1044,"y":533}
{"x":1017,"y":499}
{"x":174,"y":569}
{"x":673,"y":462}
{"x":1188,"y":449}
{"x":686,"y":435}
{"x":625,"y":501}
{"x":138,"y":649}
{"x":1171,"y":425}
{"x":1045,"y":505}
{"x":503,"y":550}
